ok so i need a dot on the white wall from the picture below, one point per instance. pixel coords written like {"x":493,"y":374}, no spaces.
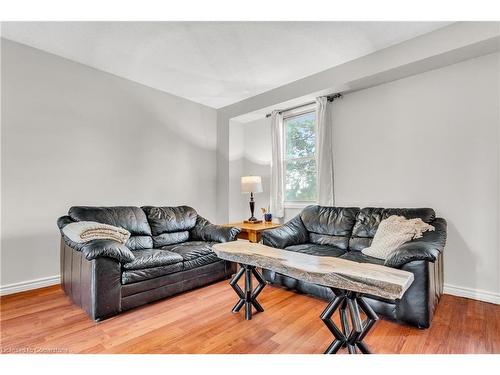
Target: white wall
{"x":249,"y":154}
{"x":458,"y":42}
{"x":237,"y":200}
{"x":73,"y":135}
{"x":429,"y":140}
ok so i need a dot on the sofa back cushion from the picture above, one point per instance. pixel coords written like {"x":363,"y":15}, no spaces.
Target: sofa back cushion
{"x":170,"y":225}
{"x":370,"y":217}
{"x":132,"y":219}
{"x":329,"y":225}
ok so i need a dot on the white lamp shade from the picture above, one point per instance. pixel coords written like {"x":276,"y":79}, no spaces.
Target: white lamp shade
{"x":251,"y":184}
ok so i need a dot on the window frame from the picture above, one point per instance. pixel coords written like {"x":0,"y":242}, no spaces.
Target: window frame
{"x":286,"y":115}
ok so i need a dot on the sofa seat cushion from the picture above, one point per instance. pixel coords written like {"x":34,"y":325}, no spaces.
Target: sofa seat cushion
{"x":149,"y":258}
{"x":133,"y":276}
{"x":191,"y":249}
{"x":200,"y":261}
{"x":169,"y":259}
{"x":358,"y":256}
{"x":194,"y":253}
{"x":318,"y":250}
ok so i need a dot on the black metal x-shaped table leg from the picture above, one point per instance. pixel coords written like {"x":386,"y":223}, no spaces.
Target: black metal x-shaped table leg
{"x":350,"y":337}
{"x":248,"y":298}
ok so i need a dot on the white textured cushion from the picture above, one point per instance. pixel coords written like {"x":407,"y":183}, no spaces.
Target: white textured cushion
{"x":85,"y":231}
{"x":392,"y":233}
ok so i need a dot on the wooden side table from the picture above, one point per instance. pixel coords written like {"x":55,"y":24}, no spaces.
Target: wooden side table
{"x":252,"y":232}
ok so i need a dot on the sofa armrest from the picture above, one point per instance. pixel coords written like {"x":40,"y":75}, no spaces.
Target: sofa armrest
{"x":206,"y":231}
{"x":97,"y":248}
{"x":94,"y":285}
{"x":426,"y":248}
{"x":292,"y":233}
{"x":107,"y":248}
{"x":102,"y":248}
{"x":63,"y":221}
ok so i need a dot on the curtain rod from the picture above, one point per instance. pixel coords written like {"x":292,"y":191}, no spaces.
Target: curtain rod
{"x":330,"y":98}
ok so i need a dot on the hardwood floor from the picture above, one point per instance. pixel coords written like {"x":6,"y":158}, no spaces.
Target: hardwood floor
{"x":201,"y":321}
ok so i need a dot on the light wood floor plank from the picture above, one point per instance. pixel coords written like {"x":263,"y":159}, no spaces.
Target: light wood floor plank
{"x":200,"y":321}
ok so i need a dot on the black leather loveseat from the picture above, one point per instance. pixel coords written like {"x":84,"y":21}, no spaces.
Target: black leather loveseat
{"x":169,"y":251}
{"x":344,"y":232}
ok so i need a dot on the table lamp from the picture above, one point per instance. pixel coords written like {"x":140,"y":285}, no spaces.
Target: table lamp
{"x":251,"y":184}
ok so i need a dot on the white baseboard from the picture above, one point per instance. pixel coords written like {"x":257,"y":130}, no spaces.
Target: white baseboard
{"x":480,"y":295}
{"x":28,"y":285}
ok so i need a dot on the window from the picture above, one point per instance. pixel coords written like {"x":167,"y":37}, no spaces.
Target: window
{"x":299,"y":158}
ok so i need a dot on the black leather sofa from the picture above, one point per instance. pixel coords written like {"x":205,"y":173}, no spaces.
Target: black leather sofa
{"x":344,"y":232}
{"x":169,"y":251}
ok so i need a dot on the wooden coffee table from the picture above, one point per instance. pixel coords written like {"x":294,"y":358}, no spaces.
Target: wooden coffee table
{"x":252,"y":232}
{"x":348,"y":280}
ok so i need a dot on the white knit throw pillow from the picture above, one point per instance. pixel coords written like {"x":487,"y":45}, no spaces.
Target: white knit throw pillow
{"x":392,"y":233}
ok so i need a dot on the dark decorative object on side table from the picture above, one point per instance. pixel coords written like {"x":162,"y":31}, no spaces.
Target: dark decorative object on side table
{"x":251,"y":184}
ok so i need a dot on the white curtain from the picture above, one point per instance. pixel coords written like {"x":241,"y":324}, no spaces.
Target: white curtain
{"x":324,"y":152}
{"x":276,"y":201}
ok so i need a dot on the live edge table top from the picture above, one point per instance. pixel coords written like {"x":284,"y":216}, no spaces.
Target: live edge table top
{"x":366,"y":278}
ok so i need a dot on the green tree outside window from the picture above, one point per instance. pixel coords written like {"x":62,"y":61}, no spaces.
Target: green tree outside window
{"x":300,"y":158}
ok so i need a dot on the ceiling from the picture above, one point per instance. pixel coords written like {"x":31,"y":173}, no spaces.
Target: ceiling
{"x":213,"y":63}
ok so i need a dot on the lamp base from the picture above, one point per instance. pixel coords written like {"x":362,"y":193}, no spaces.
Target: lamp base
{"x":252,"y":221}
